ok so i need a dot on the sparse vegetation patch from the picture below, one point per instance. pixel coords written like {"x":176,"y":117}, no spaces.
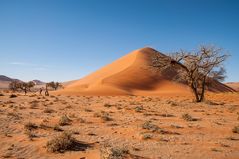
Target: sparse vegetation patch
{"x":188,"y":117}
{"x":64,"y":120}
{"x":235,"y":129}
{"x":61,"y":143}
{"x":110,"y":152}
{"x":150,"y":126}
{"x":13,"y":96}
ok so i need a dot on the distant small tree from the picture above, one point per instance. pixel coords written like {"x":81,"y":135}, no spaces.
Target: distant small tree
{"x":196,"y":68}
{"x":26,"y":86}
{"x":14,"y":85}
{"x":31,"y":84}
{"x":54,"y":85}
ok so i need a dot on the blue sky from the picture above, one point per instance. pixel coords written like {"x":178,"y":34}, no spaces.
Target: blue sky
{"x":65,"y":40}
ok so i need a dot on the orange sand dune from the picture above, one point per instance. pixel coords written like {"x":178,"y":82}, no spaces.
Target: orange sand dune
{"x":234,"y":85}
{"x":131,"y":75}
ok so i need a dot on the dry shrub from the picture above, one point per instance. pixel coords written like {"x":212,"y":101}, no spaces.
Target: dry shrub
{"x":150,"y":126}
{"x":48,"y":110}
{"x":57,"y":128}
{"x":113,"y":152}
{"x":64,"y":120}
{"x":61,"y":143}
{"x":235,"y":129}
{"x":64,"y":141}
{"x":147,"y":136}
{"x":105,"y":116}
{"x":13,"y":96}
{"x":30,"y":134}
{"x":30,"y":126}
{"x":88,"y":110}
{"x":107,"y":105}
{"x":188,"y":117}
{"x":139,"y":109}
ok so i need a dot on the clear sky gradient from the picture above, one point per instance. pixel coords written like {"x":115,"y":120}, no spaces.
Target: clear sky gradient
{"x":65,"y":40}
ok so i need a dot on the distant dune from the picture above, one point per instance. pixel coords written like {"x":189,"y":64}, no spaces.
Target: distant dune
{"x":132,"y":75}
{"x":4,"y":81}
{"x":38,"y":82}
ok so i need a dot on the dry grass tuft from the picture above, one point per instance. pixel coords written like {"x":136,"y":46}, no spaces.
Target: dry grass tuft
{"x":64,"y":120}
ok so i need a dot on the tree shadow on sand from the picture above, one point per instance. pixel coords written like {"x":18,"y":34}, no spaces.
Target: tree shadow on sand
{"x":80,"y":146}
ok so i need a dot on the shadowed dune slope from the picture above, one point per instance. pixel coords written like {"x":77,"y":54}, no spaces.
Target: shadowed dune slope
{"x":131,"y":75}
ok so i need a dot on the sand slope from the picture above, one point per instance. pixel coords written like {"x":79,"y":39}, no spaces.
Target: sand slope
{"x":131,"y":74}
{"x":234,"y":85}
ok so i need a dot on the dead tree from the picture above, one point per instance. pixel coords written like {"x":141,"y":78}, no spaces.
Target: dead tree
{"x":196,"y":68}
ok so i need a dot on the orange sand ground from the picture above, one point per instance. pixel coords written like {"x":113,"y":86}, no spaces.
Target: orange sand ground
{"x":210,"y":136}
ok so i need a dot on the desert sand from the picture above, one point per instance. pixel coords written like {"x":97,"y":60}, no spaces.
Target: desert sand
{"x":148,"y":127}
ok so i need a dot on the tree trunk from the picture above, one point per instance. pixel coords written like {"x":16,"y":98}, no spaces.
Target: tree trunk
{"x":203,"y":90}
{"x":195,"y":93}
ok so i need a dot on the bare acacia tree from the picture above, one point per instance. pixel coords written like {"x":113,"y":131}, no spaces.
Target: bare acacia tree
{"x":196,"y":68}
{"x":24,"y":86}
{"x":14,"y":85}
{"x":54,"y":85}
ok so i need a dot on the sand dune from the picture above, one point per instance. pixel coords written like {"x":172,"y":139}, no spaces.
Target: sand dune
{"x":234,"y":85}
{"x":132,"y":75}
